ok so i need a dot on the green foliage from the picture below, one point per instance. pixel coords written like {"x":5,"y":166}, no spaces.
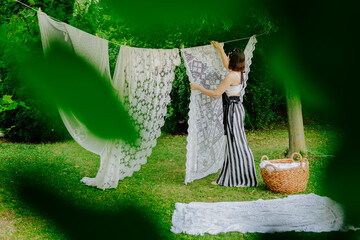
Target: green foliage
{"x":6,"y":103}
{"x":178,"y":108}
{"x":33,"y":122}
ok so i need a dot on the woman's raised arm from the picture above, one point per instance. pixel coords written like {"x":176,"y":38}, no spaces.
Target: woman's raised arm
{"x":224,"y":58}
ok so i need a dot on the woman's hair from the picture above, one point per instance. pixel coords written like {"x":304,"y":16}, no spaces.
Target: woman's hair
{"x":237,"y":60}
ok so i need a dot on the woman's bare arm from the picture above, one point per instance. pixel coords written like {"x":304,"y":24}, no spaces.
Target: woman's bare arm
{"x":213,"y":93}
{"x":224,"y":57}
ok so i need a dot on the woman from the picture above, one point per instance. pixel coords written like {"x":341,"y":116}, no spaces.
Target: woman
{"x":238,"y":169}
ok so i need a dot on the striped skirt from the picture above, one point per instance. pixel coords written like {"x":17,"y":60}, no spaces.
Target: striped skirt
{"x":238,"y":167}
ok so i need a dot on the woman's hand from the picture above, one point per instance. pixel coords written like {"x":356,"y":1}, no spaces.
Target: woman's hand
{"x":224,"y":58}
{"x":216,"y":45}
{"x":194,"y":86}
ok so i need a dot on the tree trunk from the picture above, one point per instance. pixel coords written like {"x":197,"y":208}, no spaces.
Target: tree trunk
{"x":295,"y":122}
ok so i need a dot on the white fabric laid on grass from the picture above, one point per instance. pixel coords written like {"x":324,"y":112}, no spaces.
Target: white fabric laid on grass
{"x":143,"y":79}
{"x":91,"y":48}
{"x":281,"y":165}
{"x":299,"y":213}
{"x":206,"y":140}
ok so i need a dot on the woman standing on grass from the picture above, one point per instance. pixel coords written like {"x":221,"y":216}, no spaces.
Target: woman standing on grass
{"x":238,"y":169}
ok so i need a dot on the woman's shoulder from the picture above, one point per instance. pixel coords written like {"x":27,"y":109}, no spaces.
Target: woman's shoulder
{"x":233,"y":77}
{"x":231,"y":74}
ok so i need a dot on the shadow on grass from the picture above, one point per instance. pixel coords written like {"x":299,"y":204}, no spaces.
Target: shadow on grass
{"x":84,"y":222}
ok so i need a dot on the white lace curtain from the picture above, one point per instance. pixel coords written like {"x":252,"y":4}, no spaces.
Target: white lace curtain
{"x":206,"y":141}
{"x":143,"y":78}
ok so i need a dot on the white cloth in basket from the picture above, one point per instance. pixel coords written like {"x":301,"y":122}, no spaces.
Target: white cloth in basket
{"x":281,"y":165}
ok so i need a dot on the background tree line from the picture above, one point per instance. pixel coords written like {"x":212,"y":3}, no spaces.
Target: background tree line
{"x":264,"y":101}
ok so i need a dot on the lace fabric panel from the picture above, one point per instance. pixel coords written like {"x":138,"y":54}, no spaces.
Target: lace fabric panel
{"x":92,"y":49}
{"x":299,"y":213}
{"x":249,"y":49}
{"x":143,"y":80}
{"x":206,"y":141}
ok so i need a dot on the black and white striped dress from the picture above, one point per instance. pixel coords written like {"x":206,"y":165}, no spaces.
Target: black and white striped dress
{"x":238,"y":167}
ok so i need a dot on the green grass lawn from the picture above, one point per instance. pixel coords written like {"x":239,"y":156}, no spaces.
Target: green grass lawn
{"x":153,"y":190}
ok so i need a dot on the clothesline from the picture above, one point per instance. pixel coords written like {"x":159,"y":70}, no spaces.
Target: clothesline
{"x":27,"y":6}
{"x":244,"y":38}
{"x":234,"y":40}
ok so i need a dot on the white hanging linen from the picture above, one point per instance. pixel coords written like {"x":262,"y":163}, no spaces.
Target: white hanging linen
{"x":92,"y":49}
{"x":143,"y":79}
{"x":206,"y":141}
{"x":299,"y":213}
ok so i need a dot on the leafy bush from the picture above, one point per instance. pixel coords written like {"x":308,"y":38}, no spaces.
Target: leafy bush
{"x":19,"y":29}
{"x":39,"y":123}
{"x":178,"y":108}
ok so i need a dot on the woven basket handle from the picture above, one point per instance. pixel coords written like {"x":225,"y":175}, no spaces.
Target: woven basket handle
{"x":270,"y":165}
{"x":304,"y":160}
{"x":294,"y":154}
{"x":264,"y":156}
{"x":301,"y":160}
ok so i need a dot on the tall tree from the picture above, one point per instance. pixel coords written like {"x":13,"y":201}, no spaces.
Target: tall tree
{"x":288,"y":70}
{"x":295,"y":121}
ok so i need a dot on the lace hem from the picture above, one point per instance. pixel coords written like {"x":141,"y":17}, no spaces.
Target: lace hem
{"x":249,"y":49}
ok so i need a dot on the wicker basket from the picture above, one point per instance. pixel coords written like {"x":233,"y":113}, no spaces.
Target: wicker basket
{"x":292,"y":180}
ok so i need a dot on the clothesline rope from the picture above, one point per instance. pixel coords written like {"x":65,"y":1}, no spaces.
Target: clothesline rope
{"x":234,"y":40}
{"x":244,"y":38}
{"x":26,"y":5}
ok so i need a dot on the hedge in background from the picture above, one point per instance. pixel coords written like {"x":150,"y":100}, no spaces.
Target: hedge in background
{"x":19,"y":28}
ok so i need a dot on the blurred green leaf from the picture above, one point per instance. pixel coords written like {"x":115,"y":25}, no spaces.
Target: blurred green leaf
{"x":78,"y":88}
